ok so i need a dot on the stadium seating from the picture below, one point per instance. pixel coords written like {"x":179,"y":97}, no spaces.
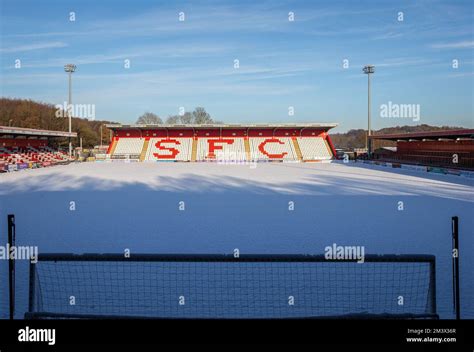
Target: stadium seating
{"x":42,"y":156}
{"x":272,"y":148}
{"x":169,"y":149}
{"x":129,"y":146}
{"x":221,"y":149}
{"x":314,"y":148}
{"x":309,"y":148}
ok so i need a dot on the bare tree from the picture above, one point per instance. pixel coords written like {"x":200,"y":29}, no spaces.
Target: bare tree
{"x":173,"y":119}
{"x":149,"y":118}
{"x":201,"y":116}
{"x":187,"y":118}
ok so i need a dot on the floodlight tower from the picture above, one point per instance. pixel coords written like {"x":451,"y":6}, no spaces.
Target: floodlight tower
{"x":69,"y":68}
{"x":368,"y":70}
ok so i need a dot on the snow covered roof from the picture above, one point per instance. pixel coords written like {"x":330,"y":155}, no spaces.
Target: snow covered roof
{"x":325,"y":126}
{"x":20,"y":131}
{"x":448,"y":134}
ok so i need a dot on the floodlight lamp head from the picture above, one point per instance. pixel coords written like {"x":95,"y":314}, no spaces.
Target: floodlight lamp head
{"x":369,"y":69}
{"x":70,"y":68}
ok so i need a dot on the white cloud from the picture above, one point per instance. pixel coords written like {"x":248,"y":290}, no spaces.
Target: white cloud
{"x":462,"y":74}
{"x":389,"y":35}
{"x":404,"y":61}
{"x":257,"y":17}
{"x":153,"y":53}
{"x":34,"y":46}
{"x":457,"y":45}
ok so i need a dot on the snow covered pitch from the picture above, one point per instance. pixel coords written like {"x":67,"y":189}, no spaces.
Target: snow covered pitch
{"x":212,"y":208}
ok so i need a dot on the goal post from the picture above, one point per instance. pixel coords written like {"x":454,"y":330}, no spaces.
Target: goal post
{"x":102,"y":286}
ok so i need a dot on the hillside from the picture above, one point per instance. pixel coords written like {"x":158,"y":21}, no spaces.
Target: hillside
{"x":33,"y":114}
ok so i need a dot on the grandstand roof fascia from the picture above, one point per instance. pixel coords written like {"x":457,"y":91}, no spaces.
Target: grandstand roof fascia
{"x":20,"y":131}
{"x":325,"y":126}
{"x":447,"y":134}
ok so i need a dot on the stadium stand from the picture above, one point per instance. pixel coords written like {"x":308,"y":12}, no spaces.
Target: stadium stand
{"x":24,"y":148}
{"x":283,"y":142}
{"x":451,"y":149}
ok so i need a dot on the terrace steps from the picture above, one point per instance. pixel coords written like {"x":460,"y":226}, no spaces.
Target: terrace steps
{"x":299,"y":154}
{"x":144,"y":149}
{"x":328,"y":146}
{"x":194,"y":150}
{"x":113,"y":146}
{"x":247,"y":148}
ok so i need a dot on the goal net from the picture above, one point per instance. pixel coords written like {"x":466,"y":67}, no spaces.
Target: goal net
{"x":221,"y":286}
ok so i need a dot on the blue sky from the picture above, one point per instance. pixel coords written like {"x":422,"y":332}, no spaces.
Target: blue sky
{"x":282,"y":63}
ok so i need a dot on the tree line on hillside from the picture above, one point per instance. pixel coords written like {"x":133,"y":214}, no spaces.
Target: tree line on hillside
{"x":198,"y":117}
{"x":32,"y":114}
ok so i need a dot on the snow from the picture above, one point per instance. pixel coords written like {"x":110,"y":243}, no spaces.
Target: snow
{"x":136,"y":206}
